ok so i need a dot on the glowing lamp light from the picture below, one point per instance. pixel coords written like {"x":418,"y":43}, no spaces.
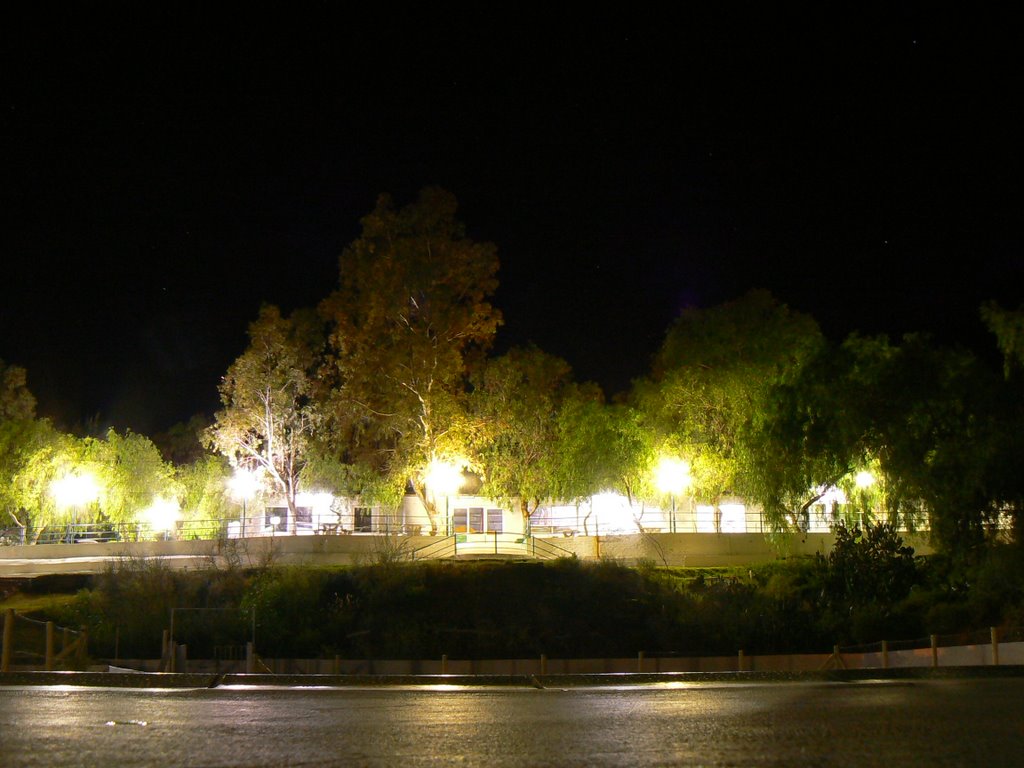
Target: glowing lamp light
{"x":672,"y":475}
{"x":75,"y":490}
{"x":864,"y":480}
{"x":443,"y":478}
{"x":243,"y":485}
{"x":162,"y":514}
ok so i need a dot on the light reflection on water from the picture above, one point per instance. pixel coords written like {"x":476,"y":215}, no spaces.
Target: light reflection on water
{"x":949,"y":722}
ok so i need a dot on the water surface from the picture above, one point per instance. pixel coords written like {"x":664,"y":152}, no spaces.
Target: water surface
{"x":918,"y":723}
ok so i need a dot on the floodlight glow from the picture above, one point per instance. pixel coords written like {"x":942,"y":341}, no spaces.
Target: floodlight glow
{"x":243,"y":485}
{"x":704,"y":518}
{"x":733,"y":518}
{"x":443,"y":478}
{"x":864,"y":479}
{"x":612,"y":512}
{"x":319,"y":501}
{"x":162,"y":514}
{"x":672,"y":475}
{"x":831,"y":495}
{"x":75,"y":490}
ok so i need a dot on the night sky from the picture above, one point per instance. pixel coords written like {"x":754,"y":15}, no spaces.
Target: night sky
{"x":163,"y":176}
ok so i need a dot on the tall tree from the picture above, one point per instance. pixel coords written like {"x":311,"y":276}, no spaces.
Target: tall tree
{"x":410,"y":317}
{"x":517,"y":398}
{"x":711,"y":380}
{"x":928,"y":420}
{"x":125,"y":474}
{"x":131,"y":474}
{"x":1007,"y":326}
{"x":270,"y":410}
{"x":16,"y":402}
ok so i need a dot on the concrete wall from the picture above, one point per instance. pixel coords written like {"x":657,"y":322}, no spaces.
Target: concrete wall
{"x":679,"y":549}
{"x":698,"y":550}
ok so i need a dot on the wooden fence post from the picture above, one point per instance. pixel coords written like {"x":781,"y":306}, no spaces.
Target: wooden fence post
{"x":49,"y":646}
{"x":8,"y":644}
{"x":83,"y":644}
{"x":935,"y":650}
{"x":994,"y":634}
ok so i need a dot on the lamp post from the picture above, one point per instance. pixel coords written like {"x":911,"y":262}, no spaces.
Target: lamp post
{"x":863,"y":481}
{"x":73,"y":491}
{"x":243,"y":486}
{"x":162,"y":516}
{"x":446,"y":479}
{"x":672,"y":476}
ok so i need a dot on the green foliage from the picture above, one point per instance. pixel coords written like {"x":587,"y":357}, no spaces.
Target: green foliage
{"x":518,"y":399}
{"x":16,"y":402}
{"x":204,"y":496}
{"x":128,"y":470}
{"x":870,"y":566}
{"x":1008,"y":328}
{"x":409,"y":319}
{"x":870,"y":588}
{"x":131,"y":474}
{"x":712,"y":381}
{"x":131,"y":605}
{"x":270,"y":413}
{"x":20,"y":442}
{"x":932,"y":424}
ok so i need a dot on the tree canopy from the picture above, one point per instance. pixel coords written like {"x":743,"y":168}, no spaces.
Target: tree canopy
{"x":270,"y":410}
{"x":410,"y":318}
{"x":711,"y":382}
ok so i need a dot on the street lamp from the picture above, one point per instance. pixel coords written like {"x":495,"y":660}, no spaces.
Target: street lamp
{"x":73,"y":491}
{"x":864,"y":480}
{"x":243,"y":486}
{"x":446,"y":479}
{"x":162,"y":515}
{"x":672,"y":477}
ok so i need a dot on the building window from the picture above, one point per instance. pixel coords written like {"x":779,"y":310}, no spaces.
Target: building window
{"x":276,"y":518}
{"x":495,"y":520}
{"x":362,"y":520}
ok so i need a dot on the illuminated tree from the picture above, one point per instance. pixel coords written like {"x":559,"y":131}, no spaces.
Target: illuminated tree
{"x":712,"y":380}
{"x":603,"y":447}
{"x":410,"y":317}
{"x":931,"y":423}
{"x":130,"y":472}
{"x":62,"y":479}
{"x":20,"y":442}
{"x":518,"y":398}
{"x":204,"y":495}
{"x":270,"y":410}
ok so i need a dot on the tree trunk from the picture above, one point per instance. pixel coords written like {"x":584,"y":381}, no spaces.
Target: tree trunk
{"x":429,"y":506}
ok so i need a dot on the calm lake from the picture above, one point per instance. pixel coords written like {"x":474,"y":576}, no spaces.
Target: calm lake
{"x":883,"y":723}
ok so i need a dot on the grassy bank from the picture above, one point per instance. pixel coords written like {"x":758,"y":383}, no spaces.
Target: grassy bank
{"x":567,"y":608}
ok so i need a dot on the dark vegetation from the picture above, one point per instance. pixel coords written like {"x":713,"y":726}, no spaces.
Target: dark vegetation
{"x":868,"y":588}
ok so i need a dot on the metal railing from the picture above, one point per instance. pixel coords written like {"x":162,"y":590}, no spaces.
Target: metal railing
{"x":437,"y":550}
{"x":492,"y":543}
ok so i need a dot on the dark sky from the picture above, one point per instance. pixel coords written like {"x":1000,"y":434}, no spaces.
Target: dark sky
{"x":163,"y":176}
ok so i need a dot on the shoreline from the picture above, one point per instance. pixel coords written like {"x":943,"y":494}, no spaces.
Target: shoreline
{"x":187,"y":680}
